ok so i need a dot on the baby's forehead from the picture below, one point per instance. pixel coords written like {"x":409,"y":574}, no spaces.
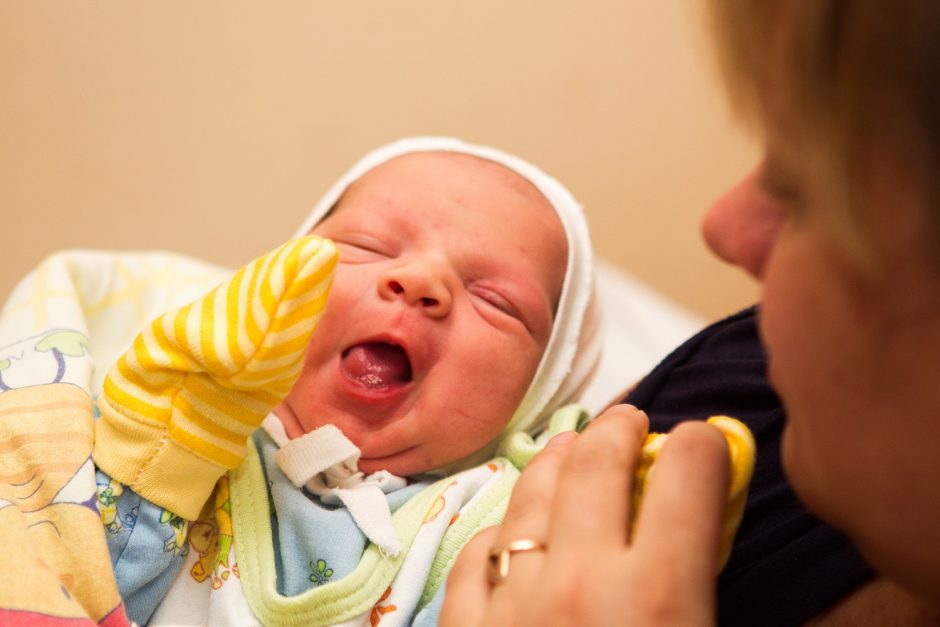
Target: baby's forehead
{"x":507,"y":175}
{"x":413,"y":163}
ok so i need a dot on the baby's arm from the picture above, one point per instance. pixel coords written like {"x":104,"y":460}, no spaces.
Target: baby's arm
{"x":147,"y":544}
{"x":178,"y":407}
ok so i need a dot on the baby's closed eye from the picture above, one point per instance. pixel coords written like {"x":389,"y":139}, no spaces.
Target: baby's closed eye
{"x":361,"y":249}
{"x":495,"y":300}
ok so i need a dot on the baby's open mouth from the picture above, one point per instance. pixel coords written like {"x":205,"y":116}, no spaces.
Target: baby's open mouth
{"x":376,"y":365}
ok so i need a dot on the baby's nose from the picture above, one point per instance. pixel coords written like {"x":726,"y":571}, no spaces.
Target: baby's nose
{"x":423,"y":282}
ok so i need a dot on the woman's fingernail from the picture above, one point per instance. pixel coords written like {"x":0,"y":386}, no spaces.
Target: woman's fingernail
{"x":562,"y":438}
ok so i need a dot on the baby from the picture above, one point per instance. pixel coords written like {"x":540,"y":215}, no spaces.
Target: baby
{"x":454,"y":320}
{"x":462,"y":272}
{"x":439,"y":314}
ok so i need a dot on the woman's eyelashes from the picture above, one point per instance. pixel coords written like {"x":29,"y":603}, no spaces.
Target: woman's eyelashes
{"x":780,"y":184}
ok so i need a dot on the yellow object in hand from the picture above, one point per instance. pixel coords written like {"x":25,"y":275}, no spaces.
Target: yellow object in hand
{"x":741,"y":452}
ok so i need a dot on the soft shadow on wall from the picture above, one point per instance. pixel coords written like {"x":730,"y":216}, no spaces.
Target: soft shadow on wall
{"x":210,"y":128}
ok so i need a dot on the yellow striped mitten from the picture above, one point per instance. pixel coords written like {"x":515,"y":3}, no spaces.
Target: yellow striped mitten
{"x":741,"y":449}
{"x":178,"y":407}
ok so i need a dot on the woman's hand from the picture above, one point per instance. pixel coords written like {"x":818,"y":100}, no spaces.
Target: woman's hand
{"x":575,"y":496}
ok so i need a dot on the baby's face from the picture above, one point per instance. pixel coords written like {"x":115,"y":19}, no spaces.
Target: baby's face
{"x":449,"y":272}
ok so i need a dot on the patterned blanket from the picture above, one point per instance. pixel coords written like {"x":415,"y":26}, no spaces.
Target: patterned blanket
{"x":59,"y":330}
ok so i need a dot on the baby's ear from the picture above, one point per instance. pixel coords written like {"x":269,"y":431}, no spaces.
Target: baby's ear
{"x":200,"y":379}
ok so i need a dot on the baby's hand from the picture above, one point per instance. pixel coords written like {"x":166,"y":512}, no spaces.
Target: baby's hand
{"x":199,"y":380}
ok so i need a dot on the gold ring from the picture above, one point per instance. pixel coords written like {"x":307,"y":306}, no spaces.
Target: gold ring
{"x":497,"y":566}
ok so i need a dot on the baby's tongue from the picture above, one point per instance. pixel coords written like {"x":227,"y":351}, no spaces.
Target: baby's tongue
{"x":376,"y":365}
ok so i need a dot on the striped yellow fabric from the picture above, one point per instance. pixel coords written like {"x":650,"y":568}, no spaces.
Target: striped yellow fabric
{"x":741,"y":450}
{"x":199,"y":380}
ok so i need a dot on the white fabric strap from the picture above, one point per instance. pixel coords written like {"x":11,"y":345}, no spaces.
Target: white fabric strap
{"x":325,"y":450}
{"x":326,"y":462}
{"x":369,"y":509}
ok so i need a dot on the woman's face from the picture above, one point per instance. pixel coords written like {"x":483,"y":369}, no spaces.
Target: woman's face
{"x":855,"y":356}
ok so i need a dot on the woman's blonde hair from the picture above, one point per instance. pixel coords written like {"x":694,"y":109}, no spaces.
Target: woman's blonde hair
{"x":859,"y":77}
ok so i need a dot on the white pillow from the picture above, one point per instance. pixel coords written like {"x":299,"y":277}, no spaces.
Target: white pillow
{"x":640,"y":327}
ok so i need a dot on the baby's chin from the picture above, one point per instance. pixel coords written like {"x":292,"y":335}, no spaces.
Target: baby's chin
{"x":404,"y":464}
{"x":415,"y":461}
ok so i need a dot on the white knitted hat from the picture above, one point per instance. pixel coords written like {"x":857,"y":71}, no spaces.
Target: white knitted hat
{"x":573,"y":350}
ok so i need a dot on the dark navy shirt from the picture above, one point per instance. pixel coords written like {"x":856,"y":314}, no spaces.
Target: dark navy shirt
{"x":786,"y":565}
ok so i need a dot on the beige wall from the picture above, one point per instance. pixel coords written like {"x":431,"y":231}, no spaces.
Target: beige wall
{"x":211,"y":127}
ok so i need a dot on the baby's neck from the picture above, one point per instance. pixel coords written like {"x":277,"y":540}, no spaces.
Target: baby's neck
{"x":289,"y":420}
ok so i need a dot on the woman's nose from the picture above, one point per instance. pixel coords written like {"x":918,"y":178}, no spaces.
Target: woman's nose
{"x":741,"y":226}
{"x":422,"y":281}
